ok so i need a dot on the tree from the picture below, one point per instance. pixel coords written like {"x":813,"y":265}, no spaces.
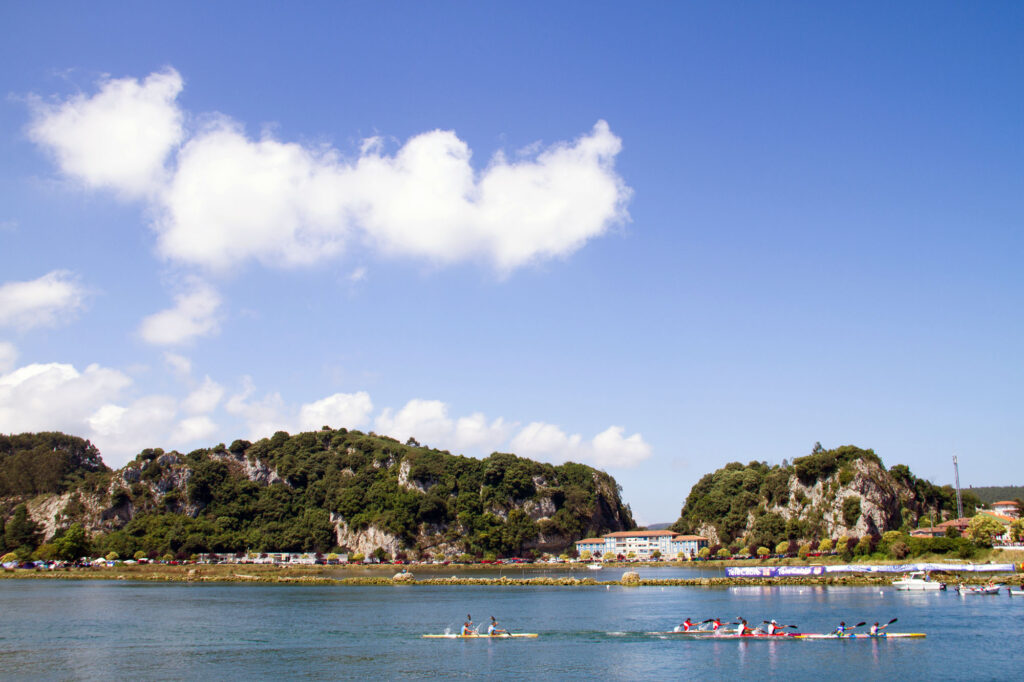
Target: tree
{"x":656,"y":554}
{"x":704,"y":552}
{"x":825,"y":546}
{"x":113,"y":556}
{"x":586,"y":555}
{"x":21,"y":531}
{"x":723,"y":553}
{"x":1017,"y":530}
{"x":74,"y":544}
{"x":782,"y":547}
{"x":608,"y":556}
{"x":982,"y":530}
{"x":762,"y":552}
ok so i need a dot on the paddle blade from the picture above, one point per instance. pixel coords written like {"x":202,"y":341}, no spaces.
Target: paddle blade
{"x":863,"y":622}
{"x":892,"y":621}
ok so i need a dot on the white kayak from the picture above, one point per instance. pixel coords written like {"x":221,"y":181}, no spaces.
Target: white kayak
{"x":516,"y":635}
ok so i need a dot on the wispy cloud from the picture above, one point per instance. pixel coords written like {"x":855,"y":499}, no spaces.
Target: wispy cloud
{"x":194,"y":315}
{"x":54,"y":298}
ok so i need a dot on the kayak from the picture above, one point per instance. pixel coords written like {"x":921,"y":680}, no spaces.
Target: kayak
{"x":720,"y":634}
{"x":1017,"y":593}
{"x":883,"y":635}
{"x":527,"y":635}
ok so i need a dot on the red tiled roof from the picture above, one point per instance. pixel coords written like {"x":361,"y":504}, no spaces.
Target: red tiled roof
{"x":689,"y":537}
{"x":591,"y":541}
{"x":1005,"y":503}
{"x":640,"y":533}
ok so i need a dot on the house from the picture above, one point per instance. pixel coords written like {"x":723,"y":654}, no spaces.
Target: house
{"x":1006,"y":508}
{"x":642,"y":544}
{"x":932,"y":532}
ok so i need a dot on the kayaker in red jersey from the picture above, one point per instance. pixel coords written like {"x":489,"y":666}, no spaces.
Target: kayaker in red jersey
{"x":685,"y":626}
{"x":772,"y":627}
{"x":715,"y":624}
{"x":742,"y":629}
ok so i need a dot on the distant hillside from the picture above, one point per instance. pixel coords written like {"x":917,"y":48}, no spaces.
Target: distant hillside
{"x":997,"y":493}
{"x":829,"y":493}
{"x":308,"y":492}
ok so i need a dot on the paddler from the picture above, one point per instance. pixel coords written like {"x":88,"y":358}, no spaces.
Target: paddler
{"x":467,"y":628}
{"x":715,"y":624}
{"x":493,"y":628}
{"x":841,"y":630}
{"x":685,"y":626}
{"x":742,"y":629}
{"x":772,"y":627}
{"x":874,"y":630}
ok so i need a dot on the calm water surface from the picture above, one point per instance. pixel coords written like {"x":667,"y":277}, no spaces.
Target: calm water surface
{"x":102,"y":630}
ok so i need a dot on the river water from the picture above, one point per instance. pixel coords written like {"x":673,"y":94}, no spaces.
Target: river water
{"x":55,"y":629}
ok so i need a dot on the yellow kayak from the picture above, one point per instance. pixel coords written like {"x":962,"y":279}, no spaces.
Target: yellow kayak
{"x":525,"y":635}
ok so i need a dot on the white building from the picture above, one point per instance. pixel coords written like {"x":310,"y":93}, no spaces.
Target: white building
{"x":642,"y":544}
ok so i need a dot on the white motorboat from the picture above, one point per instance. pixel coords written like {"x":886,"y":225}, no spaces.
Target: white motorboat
{"x":595,"y":567}
{"x":918,"y":580}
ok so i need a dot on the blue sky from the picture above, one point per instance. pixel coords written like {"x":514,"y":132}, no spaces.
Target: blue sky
{"x":655,"y":239}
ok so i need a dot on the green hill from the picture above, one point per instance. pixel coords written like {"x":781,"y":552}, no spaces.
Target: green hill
{"x":828,"y":493}
{"x":324,"y":490}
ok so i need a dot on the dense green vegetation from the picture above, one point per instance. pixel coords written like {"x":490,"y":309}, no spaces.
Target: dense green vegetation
{"x":997,"y":493}
{"x":35,"y":463}
{"x":421,"y":496}
{"x":743,"y":502}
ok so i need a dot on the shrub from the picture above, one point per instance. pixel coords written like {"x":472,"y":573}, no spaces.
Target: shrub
{"x":704,"y":553}
{"x":899,"y":550}
{"x":825,"y":546}
{"x":113,"y":556}
{"x":851,"y":510}
{"x":804,"y":550}
{"x":763,"y":551}
{"x":782,"y":547}
{"x":723,"y":553}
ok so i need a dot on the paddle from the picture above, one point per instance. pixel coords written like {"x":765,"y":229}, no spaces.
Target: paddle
{"x":882,"y":627}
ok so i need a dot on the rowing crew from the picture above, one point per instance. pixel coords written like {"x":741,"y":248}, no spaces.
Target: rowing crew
{"x":492,"y":629}
{"x":771,"y":627}
{"x":742,"y":628}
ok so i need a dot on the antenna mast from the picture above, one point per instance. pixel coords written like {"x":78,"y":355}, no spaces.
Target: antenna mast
{"x":959,"y":501}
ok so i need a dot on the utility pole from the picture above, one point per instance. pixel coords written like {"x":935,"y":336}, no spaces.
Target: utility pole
{"x":959,"y":502}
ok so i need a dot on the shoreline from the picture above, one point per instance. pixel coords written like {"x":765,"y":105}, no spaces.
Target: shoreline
{"x":320,"y":575}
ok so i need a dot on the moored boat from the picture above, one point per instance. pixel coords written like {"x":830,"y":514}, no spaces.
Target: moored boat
{"x":918,"y":580}
{"x":979,"y":589}
{"x":595,"y":567}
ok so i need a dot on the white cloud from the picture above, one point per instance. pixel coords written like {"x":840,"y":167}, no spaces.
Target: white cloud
{"x":204,"y":399}
{"x":8,"y":355}
{"x":608,"y":449}
{"x":263,"y":417}
{"x":119,"y":137}
{"x":121,"y":432}
{"x":46,"y":397}
{"x":194,"y":314}
{"x":53,"y":298}
{"x":428,"y":422}
{"x":195,"y":429}
{"x":228,"y":199}
{"x":179,"y":364}
{"x":348,"y":410}
{"x":474,"y":434}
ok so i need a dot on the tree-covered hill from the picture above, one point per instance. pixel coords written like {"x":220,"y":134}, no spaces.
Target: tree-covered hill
{"x":35,"y":463}
{"x":997,"y":493}
{"x":324,"y":490}
{"x":828,"y":493}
